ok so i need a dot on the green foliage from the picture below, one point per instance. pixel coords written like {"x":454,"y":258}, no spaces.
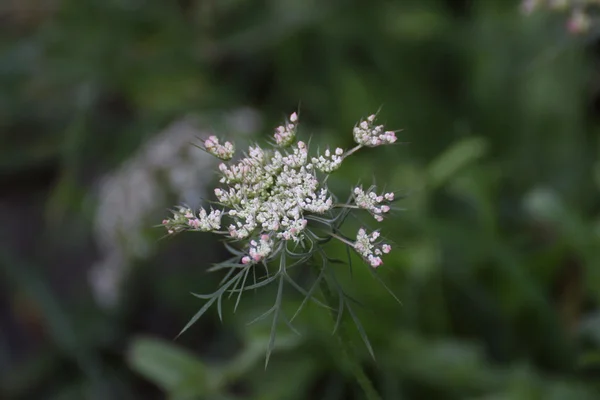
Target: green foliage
{"x":497,"y":255}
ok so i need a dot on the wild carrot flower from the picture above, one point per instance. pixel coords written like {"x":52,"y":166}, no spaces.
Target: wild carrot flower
{"x":223,"y":151}
{"x":275,"y":204}
{"x":367,"y":133}
{"x":375,"y":204}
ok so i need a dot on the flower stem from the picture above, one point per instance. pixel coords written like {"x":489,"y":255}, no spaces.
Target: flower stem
{"x":346,"y":346}
{"x":353,"y":150}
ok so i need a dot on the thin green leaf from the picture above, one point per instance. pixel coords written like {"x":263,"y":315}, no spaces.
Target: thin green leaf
{"x":224,"y":265}
{"x":259,"y":284}
{"x":254,"y":276}
{"x":296,"y":255}
{"x":378,"y":278}
{"x":262,"y":316}
{"x":219,"y":307}
{"x":271,"y":344}
{"x":319,"y":219}
{"x":306,"y":293}
{"x":289,"y":324}
{"x":237,"y":302}
{"x":204,"y":296}
{"x":296,"y":263}
{"x":340,"y":311}
{"x":235,"y":287}
{"x":266,"y":269}
{"x":211,"y":299}
{"x":227,"y":276}
{"x":361,"y":331}
{"x":197,"y":316}
{"x":232,"y":249}
{"x":349,"y":255}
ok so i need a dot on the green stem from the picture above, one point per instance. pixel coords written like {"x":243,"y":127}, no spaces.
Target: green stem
{"x":346,"y":346}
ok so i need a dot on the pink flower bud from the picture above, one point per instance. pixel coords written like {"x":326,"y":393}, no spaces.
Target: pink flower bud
{"x":376,"y":262}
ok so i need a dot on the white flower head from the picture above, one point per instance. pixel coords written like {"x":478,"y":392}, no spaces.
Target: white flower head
{"x":372,"y":202}
{"x":223,"y":151}
{"x":329,"y":161}
{"x":286,"y":133}
{"x":366,"y":133}
{"x":278,"y":209}
{"x":366,"y":246}
{"x":258,"y":251}
{"x":270,"y":194}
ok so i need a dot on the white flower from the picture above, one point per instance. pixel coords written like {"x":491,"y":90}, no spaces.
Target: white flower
{"x":372,"y":202}
{"x":185,"y":217}
{"x":366,"y":133}
{"x":285,"y":134}
{"x":317,"y":203}
{"x":328,"y":162}
{"x":210,"y":222}
{"x":270,"y":192}
{"x":294,"y":228}
{"x":269,"y":196}
{"x":366,"y":247}
{"x":223,"y":151}
{"x":259,"y":250}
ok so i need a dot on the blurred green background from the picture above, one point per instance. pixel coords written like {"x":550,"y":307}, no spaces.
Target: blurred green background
{"x":497,"y":260}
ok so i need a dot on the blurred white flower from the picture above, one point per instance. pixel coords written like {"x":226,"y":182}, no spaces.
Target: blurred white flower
{"x":130,"y":197}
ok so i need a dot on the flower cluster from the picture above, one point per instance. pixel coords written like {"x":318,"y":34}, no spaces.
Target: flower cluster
{"x":365,"y":246}
{"x":269,"y":195}
{"x":185,"y":219}
{"x":259,"y":250}
{"x":328,"y":162}
{"x":285,"y":134}
{"x":372,"y":202}
{"x":273,"y":204}
{"x":223,"y":151}
{"x":580,"y":19}
{"x":368,"y":134}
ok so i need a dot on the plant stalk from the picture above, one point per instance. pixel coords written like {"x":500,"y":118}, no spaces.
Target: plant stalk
{"x":346,"y":346}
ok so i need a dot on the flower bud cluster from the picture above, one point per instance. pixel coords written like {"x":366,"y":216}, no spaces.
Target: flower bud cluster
{"x":365,"y":246}
{"x":372,"y":202}
{"x":329,"y":161}
{"x":285,"y":134}
{"x":258,"y":250}
{"x":223,"y":151}
{"x":368,"y":134}
{"x":185,"y":219}
{"x":268,"y":195}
